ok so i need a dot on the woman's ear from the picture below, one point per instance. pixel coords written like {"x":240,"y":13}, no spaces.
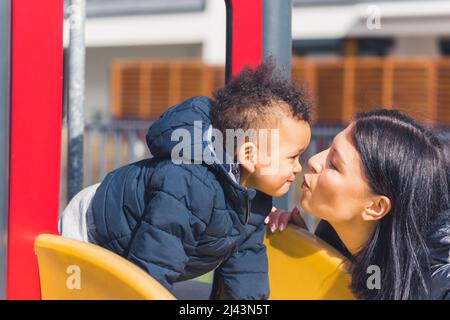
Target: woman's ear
{"x":247,"y":156}
{"x":380,"y":206}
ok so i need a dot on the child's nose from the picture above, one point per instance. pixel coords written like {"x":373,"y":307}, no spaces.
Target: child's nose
{"x":298,"y":167}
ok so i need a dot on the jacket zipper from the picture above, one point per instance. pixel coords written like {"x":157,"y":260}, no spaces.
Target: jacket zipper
{"x":247,"y":216}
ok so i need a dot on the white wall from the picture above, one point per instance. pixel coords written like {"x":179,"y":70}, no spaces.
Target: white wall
{"x":416,"y":25}
{"x":207,"y":27}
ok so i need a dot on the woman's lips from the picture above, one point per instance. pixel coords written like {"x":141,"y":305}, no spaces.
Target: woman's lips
{"x":305,"y":185}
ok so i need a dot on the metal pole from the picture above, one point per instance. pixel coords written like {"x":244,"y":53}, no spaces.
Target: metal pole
{"x":77,"y":52}
{"x":277,"y":43}
{"x":277,"y":33}
{"x":5,"y":106}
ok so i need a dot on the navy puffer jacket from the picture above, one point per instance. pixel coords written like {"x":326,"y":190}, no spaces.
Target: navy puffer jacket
{"x":179,"y":221}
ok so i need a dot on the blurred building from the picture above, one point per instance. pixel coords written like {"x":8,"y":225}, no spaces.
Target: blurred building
{"x":143,"y":55}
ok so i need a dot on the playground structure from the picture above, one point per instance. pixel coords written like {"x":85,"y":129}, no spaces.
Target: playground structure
{"x":300,"y":265}
{"x":97,"y":273}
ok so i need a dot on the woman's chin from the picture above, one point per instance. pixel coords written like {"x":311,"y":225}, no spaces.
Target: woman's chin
{"x":304,"y":200}
{"x":304,"y":204}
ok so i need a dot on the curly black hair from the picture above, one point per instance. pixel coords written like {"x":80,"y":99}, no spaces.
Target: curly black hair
{"x":257,"y":95}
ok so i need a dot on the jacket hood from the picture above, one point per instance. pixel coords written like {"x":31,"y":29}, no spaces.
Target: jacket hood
{"x":187,"y":127}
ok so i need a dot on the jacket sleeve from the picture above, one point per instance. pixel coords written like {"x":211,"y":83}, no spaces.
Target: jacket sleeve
{"x":440,"y":282}
{"x":158,"y":243}
{"x":327,"y":233}
{"x":244,"y":275}
{"x":439,"y":244}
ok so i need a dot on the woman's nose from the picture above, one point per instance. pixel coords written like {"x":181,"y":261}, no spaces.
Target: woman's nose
{"x":316,"y":162}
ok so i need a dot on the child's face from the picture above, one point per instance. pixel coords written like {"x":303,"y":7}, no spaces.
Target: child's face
{"x":276,"y":166}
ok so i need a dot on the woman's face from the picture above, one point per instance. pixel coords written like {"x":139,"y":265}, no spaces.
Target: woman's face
{"x":335,"y":188}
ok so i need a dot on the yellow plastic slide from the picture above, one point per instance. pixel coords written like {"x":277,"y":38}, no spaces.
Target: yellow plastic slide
{"x":302,"y":266}
{"x":72,"y":270}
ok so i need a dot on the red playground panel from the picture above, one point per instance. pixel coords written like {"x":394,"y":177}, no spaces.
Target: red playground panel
{"x":36,"y":112}
{"x":246,"y":30}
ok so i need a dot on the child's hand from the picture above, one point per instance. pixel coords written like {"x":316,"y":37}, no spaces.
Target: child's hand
{"x":278,"y":219}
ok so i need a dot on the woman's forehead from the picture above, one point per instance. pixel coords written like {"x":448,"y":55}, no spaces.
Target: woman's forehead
{"x":344,"y":146}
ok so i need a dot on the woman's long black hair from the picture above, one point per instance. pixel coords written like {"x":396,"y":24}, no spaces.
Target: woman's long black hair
{"x":404,"y":162}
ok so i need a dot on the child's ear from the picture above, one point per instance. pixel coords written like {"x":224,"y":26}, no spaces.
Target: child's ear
{"x":380,"y":206}
{"x":247,"y":156}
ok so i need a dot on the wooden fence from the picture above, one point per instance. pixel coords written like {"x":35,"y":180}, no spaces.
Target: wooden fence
{"x":340,"y":87}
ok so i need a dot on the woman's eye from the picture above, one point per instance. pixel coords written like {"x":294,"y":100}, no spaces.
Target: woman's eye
{"x":332,"y":166}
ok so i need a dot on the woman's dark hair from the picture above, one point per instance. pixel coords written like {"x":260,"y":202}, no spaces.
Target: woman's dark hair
{"x":249,"y":98}
{"x":404,"y":162}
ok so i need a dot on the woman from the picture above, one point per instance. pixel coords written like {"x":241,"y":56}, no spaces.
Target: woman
{"x":380,"y":186}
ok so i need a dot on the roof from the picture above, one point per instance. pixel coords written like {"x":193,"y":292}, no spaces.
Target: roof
{"x":99,"y":8}
{"x":338,"y":2}
{"x":107,"y":8}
